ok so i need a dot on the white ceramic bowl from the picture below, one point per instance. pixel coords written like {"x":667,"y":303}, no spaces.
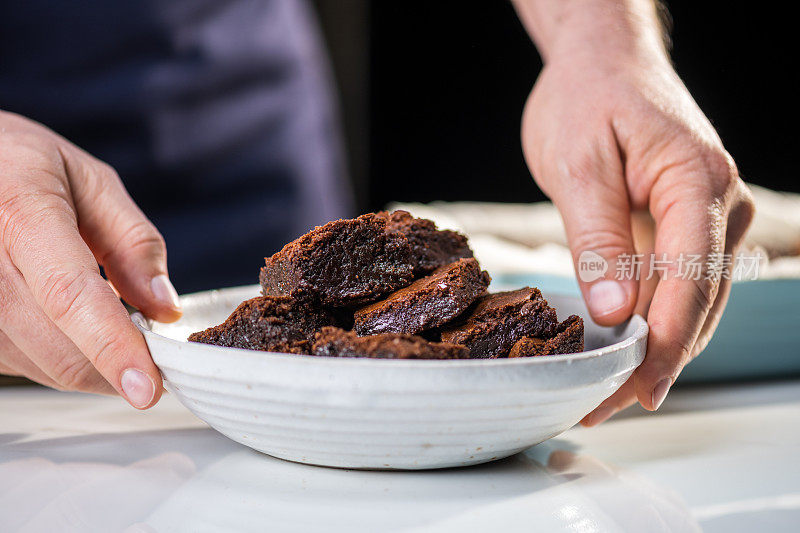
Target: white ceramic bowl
{"x":386,"y":414}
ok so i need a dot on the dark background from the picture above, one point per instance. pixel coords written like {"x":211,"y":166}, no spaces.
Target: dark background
{"x":432,"y":93}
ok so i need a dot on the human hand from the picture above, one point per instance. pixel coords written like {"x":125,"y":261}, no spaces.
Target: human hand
{"x":63,"y":212}
{"x":610,"y":129}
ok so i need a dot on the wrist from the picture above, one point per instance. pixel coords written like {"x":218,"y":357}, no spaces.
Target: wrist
{"x":621,"y":31}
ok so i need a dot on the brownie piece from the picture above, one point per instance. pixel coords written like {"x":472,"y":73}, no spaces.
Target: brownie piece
{"x":529,"y":347}
{"x":568,"y":339}
{"x":343,"y":263}
{"x":269,"y":323}
{"x":431,"y":248}
{"x":499,"y":320}
{"x":335,"y":342}
{"x":427,"y":303}
{"x":347,"y":263}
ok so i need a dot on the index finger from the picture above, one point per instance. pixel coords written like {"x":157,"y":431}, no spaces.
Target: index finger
{"x":41,"y":235}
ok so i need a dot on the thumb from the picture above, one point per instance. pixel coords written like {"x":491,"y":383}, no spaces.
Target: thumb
{"x":127,"y":245}
{"x":593,"y":201}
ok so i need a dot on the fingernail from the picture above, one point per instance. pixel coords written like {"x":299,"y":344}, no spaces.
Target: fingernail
{"x":605,"y":297}
{"x":660,"y":392}
{"x":138,"y":387}
{"x":163,"y":290}
{"x":601,"y":414}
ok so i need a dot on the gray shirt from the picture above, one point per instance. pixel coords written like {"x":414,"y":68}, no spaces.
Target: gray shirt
{"x":218,"y":115}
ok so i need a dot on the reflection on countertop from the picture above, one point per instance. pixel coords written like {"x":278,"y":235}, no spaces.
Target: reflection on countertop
{"x":72,"y":462}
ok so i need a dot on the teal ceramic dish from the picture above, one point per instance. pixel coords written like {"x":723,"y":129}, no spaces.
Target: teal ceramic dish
{"x":758,"y":336}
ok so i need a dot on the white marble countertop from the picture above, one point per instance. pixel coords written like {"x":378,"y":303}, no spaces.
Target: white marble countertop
{"x":723,"y":458}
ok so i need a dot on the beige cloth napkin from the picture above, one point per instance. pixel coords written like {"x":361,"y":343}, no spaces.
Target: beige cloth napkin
{"x":518,"y":238}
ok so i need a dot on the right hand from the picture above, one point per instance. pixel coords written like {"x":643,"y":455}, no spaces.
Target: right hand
{"x":63,"y":213}
{"x":608,"y":132}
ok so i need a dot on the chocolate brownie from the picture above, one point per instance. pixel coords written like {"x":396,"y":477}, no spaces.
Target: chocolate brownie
{"x":389,"y":277}
{"x":431,"y":248}
{"x":427,"y":303}
{"x":343,"y":263}
{"x":499,"y":320}
{"x":269,"y":323}
{"x":568,"y":339}
{"x":347,"y":263}
{"x":335,"y":342}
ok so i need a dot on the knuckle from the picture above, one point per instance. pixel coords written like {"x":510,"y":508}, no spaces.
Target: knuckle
{"x":30,"y":151}
{"x":722,"y":172}
{"x":746,"y":197}
{"x":102,"y":177}
{"x":16,"y":200}
{"x":682,"y":351}
{"x":606,"y":240}
{"x":745,"y":207}
{"x":712,"y":170}
{"x":23,"y":207}
{"x":18,"y":205}
{"x":705,"y":292}
{"x":721,"y":162}
{"x":107,"y":350}
{"x":140,"y":238}
{"x":580,"y":169}
{"x":675,"y":351}
{"x":106,"y":171}
{"x":74,"y":374}
{"x":19,"y":144}
{"x":591,"y":160}
{"x":62,"y":292}
{"x":143,"y":233}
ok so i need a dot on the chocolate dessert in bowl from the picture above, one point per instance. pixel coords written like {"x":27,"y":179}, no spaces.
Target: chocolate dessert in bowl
{"x":375,"y":343}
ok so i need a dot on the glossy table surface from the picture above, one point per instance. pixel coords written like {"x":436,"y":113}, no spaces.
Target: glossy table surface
{"x":721,"y":458}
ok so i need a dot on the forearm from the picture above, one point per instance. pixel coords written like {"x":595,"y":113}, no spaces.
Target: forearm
{"x":628,"y":28}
